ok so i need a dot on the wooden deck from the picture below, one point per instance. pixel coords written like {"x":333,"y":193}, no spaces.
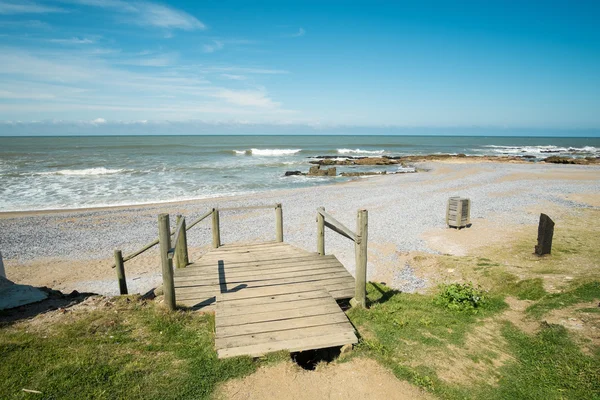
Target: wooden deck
{"x":269,"y":297}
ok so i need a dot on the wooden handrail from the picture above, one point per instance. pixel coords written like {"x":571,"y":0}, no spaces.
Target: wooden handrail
{"x":180,"y":224}
{"x":360,"y":248}
{"x":336,"y":225}
{"x":248,"y":208}
{"x":155,"y":242}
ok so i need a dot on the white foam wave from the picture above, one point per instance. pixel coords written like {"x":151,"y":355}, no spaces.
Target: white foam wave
{"x":274,"y":152}
{"x":83,"y":172}
{"x":359,"y":151}
{"x":267,"y":152}
{"x":545,"y":150}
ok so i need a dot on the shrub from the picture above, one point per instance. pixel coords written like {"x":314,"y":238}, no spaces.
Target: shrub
{"x":460,"y":297}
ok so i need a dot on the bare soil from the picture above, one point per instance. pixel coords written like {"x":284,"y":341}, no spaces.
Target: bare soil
{"x":357,"y":379}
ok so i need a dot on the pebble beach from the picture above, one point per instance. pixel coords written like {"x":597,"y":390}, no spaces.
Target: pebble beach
{"x":73,"y":250}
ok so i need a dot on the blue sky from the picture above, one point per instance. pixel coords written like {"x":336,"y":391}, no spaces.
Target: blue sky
{"x":316,"y":64}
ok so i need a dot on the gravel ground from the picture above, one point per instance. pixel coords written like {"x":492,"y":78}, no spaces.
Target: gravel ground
{"x":401,"y":207}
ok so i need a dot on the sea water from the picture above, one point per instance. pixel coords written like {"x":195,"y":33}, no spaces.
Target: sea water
{"x":40,"y":173}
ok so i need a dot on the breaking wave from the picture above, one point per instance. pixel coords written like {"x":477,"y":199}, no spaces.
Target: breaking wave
{"x":359,"y":151}
{"x":268,"y":152}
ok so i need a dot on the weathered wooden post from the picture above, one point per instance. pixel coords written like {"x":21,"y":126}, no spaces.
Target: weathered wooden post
{"x":545,"y":233}
{"x":216,"y":233}
{"x":320,"y":232}
{"x":360,"y":292}
{"x":182,"y":258}
{"x":279,"y":222}
{"x":164,"y":237}
{"x":120,"y":265}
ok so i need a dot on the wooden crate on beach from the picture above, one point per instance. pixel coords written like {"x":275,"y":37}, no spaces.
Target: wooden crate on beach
{"x":458,"y":212}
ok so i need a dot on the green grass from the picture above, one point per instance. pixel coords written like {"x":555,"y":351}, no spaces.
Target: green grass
{"x":135,"y":352}
{"x":401,"y":329}
{"x":549,"y":366}
{"x":583,"y":293}
{"x":406,"y":331}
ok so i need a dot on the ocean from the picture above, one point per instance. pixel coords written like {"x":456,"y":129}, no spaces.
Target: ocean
{"x":43,"y":173}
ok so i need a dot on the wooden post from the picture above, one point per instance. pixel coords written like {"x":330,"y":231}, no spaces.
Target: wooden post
{"x":321,"y":233}
{"x":182,"y":258}
{"x":545,"y":233}
{"x":120,"y":265}
{"x":216,"y":233}
{"x":164,"y":237}
{"x":360,"y":291}
{"x":279,"y":222}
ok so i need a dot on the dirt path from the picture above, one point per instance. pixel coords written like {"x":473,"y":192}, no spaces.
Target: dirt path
{"x":356,"y":379}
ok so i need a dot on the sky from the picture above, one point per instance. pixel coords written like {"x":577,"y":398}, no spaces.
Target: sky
{"x":101,"y":66}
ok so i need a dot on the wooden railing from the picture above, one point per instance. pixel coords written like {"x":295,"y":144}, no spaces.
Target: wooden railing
{"x":360,"y":247}
{"x":180,"y":250}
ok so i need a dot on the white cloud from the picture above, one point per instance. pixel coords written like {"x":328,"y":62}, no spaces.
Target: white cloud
{"x":98,"y":121}
{"x":9,"y":7}
{"x":149,"y":14}
{"x":73,"y":40}
{"x":72,"y":84}
{"x":245,"y":70}
{"x":253,"y":98}
{"x":233,"y":77}
{"x":161,"y":60}
{"x":301,"y":32}
{"x":211,"y":48}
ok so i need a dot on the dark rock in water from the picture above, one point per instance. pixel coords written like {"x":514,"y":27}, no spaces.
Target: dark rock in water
{"x":461,"y":155}
{"x":317,"y":171}
{"x":567,"y":160}
{"x":292,"y":173}
{"x":362,"y":173}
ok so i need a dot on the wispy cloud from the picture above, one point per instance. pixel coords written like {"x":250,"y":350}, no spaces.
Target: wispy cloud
{"x":245,"y":70}
{"x":72,"y":84}
{"x":73,"y":40}
{"x":9,"y":7}
{"x":254,"y":98}
{"x":149,"y":60}
{"x":31,"y":24}
{"x":148,"y":14}
{"x":301,"y":32}
{"x":214,"y":46}
{"x":233,"y":77}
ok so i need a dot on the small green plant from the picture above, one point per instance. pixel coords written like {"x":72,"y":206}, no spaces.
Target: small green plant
{"x":460,"y":297}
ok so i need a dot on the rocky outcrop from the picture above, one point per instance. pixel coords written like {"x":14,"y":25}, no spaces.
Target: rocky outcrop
{"x":568,"y":160}
{"x":292,"y":173}
{"x":317,"y":171}
{"x":363,"y":173}
{"x":403,"y":160}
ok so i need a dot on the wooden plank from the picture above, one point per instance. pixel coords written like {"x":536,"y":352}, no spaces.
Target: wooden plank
{"x":227,"y":287}
{"x":255,"y":264}
{"x":278,"y":277}
{"x":281,"y":298}
{"x":253,"y":256}
{"x":260,"y":290}
{"x":298,"y":333}
{"x":272,"y":315}
{"x":315,"y":342}
{"x":273,"y":326}
{"x":258,"y":263}
{"x":244,"y":309}
{"x":254,"y":271}
{"x":200,"y":302}
{"x":271,"y":291}
{"x":340,"y":294}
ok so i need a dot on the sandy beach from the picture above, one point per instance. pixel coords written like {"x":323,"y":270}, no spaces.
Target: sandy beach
{"x":72,"y":250}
